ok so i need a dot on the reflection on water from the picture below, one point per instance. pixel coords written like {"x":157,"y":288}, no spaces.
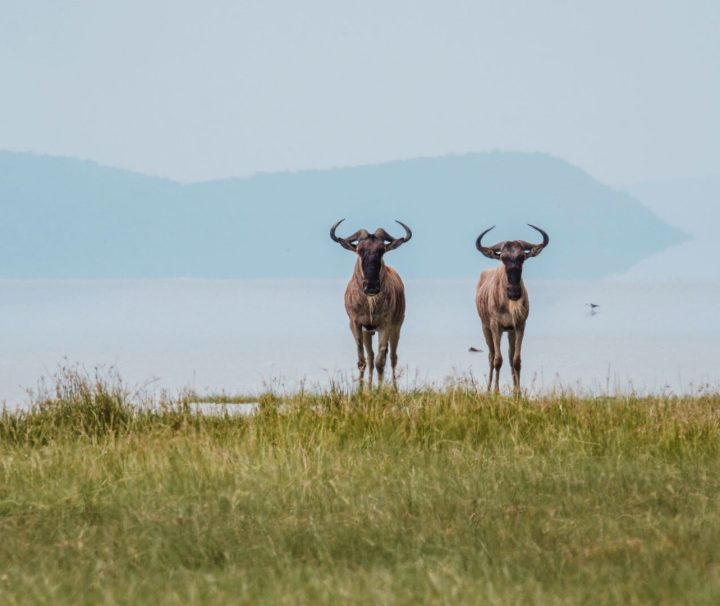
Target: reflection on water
{"x":242,"y":336}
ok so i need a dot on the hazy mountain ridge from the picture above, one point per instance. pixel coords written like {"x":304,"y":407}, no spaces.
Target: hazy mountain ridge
{"x":73,"y":218}
{"x":693,"y":205}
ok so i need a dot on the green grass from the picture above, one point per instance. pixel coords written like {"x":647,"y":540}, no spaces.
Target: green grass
{"x":423,"y":497}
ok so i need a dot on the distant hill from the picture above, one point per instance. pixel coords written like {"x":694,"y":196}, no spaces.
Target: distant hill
{"x":693,"y":205}
{"x":70,"y":218}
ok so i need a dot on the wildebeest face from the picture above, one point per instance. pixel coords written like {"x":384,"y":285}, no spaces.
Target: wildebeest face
{"x":371,"y":248}
{"x":513,"y":253}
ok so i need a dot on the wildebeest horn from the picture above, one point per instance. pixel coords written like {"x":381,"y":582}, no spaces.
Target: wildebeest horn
{"x":488,"y":251}
{"x":533,"y":250}
{"x":395,"y":242}
{"x":342,"y":241}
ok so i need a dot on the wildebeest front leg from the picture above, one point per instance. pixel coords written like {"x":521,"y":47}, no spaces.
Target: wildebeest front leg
{"x":491,"y":354}
{"x":516,"y":338}
{"x":357,"y":333}
{"x":383,"y":338}
{"x":367,"y":339}
{"x":497,"y":360}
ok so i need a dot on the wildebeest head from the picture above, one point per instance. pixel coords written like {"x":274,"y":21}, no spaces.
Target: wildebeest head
{"x":371,"y":248}
{"x":513,"y":253}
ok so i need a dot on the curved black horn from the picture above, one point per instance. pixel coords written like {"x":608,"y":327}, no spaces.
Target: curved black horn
{"x":341,"y":241}
{"x":396,"y":242}
{"x":546,"y":238}
{"x":536,"y":249}
{"x":488,"y":251}
{"x":408,"y":231}
{"x":478,"y":242}
{"x":332,"y":231}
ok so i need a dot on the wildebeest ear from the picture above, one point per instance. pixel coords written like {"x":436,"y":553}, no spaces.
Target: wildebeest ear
{"x":491,"y":252}
{"x":346,"y":245}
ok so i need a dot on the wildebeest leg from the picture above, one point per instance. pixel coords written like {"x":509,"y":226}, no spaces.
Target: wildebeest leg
{"x":394,"y":339}
{"x":511,"y":356}
{"x":491,"y":354}
{"x":383,"y":337}
{"x":497,"y":360}
{"x":516,"y":339}
{"x":357,"y":333}
{"x":367,"y":339}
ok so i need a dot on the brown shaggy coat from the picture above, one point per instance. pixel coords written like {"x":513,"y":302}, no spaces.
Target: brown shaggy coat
{"x":383,"y":312}
{"x":374,"y":297}
{"x":499,"y":314}
{"x":502,"y":301}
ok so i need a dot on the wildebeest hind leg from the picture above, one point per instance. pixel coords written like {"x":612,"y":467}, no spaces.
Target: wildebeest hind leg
{"x":394,"y":339}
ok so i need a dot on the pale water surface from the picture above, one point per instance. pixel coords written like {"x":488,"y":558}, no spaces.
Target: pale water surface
{"x":244,"y":336}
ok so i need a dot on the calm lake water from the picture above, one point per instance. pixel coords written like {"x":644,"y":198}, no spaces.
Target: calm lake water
{"x":239,"y":336}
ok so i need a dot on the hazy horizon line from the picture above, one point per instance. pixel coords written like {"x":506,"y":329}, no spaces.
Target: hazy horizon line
{"x":376,"y":163}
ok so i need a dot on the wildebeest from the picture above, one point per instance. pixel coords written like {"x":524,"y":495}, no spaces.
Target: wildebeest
{"x":502,"y":301}
{"x":374,"y":297}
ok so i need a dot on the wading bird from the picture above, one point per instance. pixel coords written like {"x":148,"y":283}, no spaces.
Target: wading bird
{"x":502,"y":301}
{"x":374,"y":297}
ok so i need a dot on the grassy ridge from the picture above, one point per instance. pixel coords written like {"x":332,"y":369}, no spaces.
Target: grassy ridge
{"x":429,"y":497}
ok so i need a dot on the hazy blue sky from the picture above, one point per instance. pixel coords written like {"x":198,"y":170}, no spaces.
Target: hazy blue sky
{"x":628,"y":90}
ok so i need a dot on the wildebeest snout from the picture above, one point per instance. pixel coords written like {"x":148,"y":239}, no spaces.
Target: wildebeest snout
{"x":370,"y":288}
{"x":514,"y":292}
